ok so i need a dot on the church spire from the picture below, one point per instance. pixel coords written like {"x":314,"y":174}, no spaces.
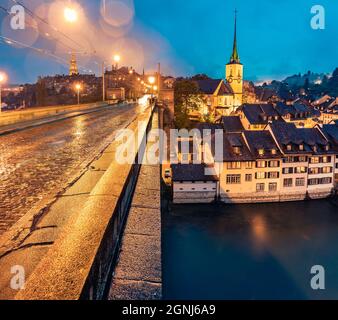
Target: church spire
{"x":235,"y":56}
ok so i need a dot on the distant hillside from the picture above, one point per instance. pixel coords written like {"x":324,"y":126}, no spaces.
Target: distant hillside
{"x":299,"y":80}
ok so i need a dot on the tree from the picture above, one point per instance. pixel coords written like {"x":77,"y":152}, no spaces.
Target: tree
{"x":200,"y":77}
{"x":188,"y":98}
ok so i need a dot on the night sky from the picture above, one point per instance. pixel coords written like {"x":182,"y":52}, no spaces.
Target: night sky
{"x":275,"y":38}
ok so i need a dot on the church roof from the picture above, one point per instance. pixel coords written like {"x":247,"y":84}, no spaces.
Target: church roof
{"x":209,"y":86}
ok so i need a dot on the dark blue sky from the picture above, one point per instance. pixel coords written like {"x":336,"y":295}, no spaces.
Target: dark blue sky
{"x":274,"y":36}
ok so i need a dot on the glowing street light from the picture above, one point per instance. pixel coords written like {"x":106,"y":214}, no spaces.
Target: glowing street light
{"x":70,"y":15}
{"x":78,"y":88}
{"x":3,"y":78}
{"x":117,"y":59}
{"x":155,"y":88}
{"x":151,"y":80}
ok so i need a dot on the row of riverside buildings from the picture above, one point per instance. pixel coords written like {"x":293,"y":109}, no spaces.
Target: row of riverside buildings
{"x":280,"y":163}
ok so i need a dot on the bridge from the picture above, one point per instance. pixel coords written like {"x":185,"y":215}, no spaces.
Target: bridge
{"x":80,"y":225}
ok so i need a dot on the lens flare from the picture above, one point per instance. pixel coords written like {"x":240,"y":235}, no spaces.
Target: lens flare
{"x":70,"y":15}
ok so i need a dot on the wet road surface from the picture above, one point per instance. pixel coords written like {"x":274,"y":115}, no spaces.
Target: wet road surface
{"x":37,"y":163}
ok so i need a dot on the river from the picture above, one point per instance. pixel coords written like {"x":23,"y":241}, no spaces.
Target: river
{"x":258,"y":251}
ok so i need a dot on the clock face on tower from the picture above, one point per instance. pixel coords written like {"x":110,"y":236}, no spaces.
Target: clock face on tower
{"x":230,"y":80}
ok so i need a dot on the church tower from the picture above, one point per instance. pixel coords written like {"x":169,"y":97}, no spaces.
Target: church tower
{"x":234,"y":72}
{"x":73,"y":70}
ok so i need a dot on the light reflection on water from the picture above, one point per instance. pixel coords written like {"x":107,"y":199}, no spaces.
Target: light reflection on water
{"x":250,"y":251}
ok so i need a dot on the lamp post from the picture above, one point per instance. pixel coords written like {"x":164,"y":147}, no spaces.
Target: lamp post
{"x":2,"y":80}
{"x":152,"y":81}
{"x":103,"y":82}
{"x":78,"y":88}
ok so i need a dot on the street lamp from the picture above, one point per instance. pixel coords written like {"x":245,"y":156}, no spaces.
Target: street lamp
{"x":3,"y":78}
{"x":78,"y":88}
{"x":151,"y":80}
{"x":117,"y":59}
{"x":70,"y":15}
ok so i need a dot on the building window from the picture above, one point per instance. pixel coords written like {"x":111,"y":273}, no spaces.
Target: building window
{"x":261,"y":164}
{"x":300,"y":170}
{"x":289,"y":147}
{"x":273,"y":151}
{"x":248,"y":177}
{"x":300,"y":182}
{"x":301,"y":147}
{"x":327,"y":170}
{"x":273,"y":175}
{"x":261,"y":152}
{"x":326,"y":159}
{"x":237,"y":150}
{"x":233,"y":179}
{"x":302,"y":159}
{"x":260,"y":187}
{"x":314,"y":160}
{"x":313,"y":182}
{"x":326,"y":181}
{"x":249,"y":165}
{"x":234,"y":165}
{"x":273,"y":187}
{"x":274,"y":164}
{"x":313,"y":170}
{"x":260,"y":175}
{"x":288,"y":170}
{"x":288,"y":183}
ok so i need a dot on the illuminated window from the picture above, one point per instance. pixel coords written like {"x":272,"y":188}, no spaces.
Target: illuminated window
{"x":261,"y":164}
{"x":260,"y":175}
{"x":234,"y":165}
{"x":249,"y":165}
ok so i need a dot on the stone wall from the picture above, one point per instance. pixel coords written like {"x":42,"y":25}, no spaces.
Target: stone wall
{"x":79,"y":264}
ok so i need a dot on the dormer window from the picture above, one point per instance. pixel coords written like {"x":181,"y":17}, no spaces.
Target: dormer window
{"x":289,"y":147}
{"x":273,"y":151}
{"x":314,"y":148}
{"x":327,"y":147}
{"x":237,"y":150}
{"x":301,"y":147}
{"x":261,"y":152}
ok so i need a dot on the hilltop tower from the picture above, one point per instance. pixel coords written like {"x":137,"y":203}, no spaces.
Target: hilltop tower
{"x":234,"y":71}
{"x":73,"y":70}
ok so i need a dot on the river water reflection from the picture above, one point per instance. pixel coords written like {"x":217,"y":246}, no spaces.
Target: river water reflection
{"x":261,"y":251}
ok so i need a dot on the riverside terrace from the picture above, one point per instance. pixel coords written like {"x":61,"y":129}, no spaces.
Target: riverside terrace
{"x":282,"y":163}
